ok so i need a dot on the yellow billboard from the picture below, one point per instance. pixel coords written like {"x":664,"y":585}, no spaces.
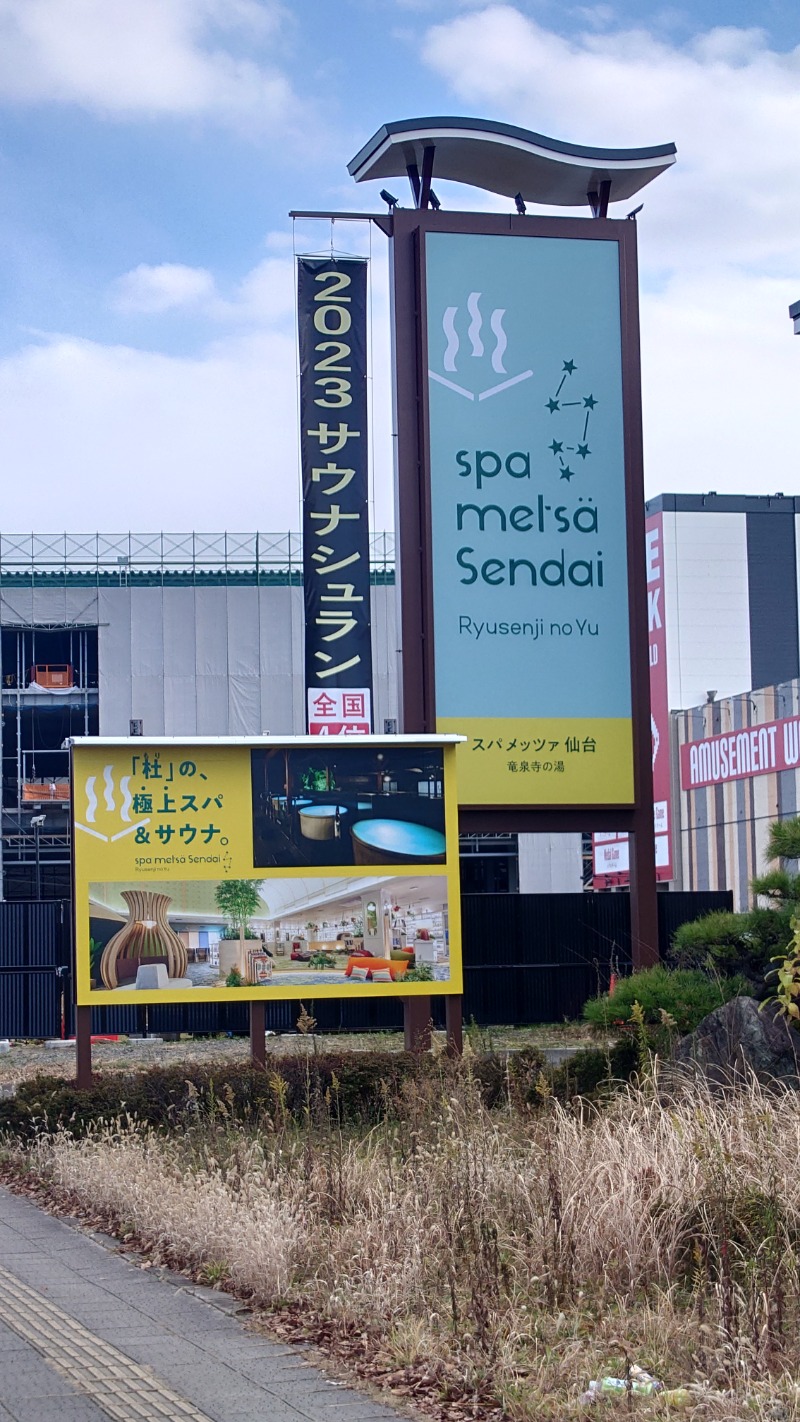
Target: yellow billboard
{"x":305,"y":867}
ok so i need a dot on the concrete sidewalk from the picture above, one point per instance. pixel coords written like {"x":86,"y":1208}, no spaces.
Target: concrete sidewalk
{"x":86,"y":1335}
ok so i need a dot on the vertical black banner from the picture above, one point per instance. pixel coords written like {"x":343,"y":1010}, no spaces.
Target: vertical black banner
{"x":332,"y":323}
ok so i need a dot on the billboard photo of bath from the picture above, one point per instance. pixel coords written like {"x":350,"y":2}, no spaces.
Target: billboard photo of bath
{"x":348,"y":804}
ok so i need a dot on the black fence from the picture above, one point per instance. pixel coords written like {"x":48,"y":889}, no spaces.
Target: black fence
{"x":527,"y":958}
{"x":34,"y":968}
{"x":538,"y":957}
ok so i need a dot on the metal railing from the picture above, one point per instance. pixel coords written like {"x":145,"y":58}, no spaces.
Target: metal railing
{"x":129,"y":553}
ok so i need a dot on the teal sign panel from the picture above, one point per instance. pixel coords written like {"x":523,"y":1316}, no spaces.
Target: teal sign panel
{"x":529,"y":536}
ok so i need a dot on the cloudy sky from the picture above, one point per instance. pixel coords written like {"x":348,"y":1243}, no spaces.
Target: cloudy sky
{"x":150,"y":151}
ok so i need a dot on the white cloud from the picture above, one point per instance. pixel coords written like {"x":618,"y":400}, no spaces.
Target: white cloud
{"x":265,"y":295}
{"x":720,"y":376}
{"x":163,"y":288}
{"x":152,"y":58}
{"x":731,"y":104}
{"x":135,"y":438}
{"x":115,"y":437}
{"x":718,"y":236}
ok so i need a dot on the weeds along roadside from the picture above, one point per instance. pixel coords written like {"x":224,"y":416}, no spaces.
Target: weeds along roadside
{"x":512,"y":1251}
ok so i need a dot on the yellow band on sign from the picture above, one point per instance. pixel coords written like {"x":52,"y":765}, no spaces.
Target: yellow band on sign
{"x":543,"y":760}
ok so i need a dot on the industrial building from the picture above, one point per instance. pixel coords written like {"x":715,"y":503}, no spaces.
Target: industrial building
{"x":731,"y":565}
{"x":162,"y":634}
{"x":202,"y":634}
{"x":723,"y":577}
{"x":736,"y":769}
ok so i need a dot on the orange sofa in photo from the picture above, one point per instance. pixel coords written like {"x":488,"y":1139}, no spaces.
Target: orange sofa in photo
{"x":396,"y":970}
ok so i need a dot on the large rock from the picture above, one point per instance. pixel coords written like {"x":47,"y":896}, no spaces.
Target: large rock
{"x":737,"y":1040}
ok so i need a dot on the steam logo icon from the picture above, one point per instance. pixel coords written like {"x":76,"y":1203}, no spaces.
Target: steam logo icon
{"x":454,"y":352}
{"x":114,"y":799}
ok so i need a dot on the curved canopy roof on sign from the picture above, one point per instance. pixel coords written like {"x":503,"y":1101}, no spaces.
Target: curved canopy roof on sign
{"x":504,"y":159}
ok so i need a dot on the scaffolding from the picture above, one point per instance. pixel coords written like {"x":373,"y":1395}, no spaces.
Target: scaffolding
{"x":103,"y":559}
{"x":49,"y":655}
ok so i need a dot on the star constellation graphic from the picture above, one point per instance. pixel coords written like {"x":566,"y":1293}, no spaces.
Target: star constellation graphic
{"x":557,"y":404}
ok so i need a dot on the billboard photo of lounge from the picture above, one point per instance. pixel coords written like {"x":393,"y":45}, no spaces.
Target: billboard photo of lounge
{"x":348,"y":804}
{"x":281,"y":933}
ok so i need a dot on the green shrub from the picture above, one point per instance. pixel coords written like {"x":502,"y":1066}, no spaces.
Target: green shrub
{"x":347,"y":1087}
{"x":509,"y":1077}
{"x":733,"y":943}
{"x":585,"y":1073}
{"x":687,"y":994}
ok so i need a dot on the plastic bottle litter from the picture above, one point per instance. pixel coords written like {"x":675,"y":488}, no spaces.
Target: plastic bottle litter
{"x":602,"y":1387}
{"x":640,"y":1384}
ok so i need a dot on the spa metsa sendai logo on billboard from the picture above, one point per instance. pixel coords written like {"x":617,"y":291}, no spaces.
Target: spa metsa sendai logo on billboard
{"x":459,"y":355}
{"x":233,"y":869}
{"x":528,"y":518}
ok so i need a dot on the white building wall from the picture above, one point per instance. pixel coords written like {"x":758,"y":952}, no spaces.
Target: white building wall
{"x":706,"y":605}
{"x":147,"y":659}
{"x":550,"y":864}
{"x":281,"y":710}
{"x":115,"y":686}
{"x":180,"y":659}
{"x":58,"y":606}
{"x":385,"y":656}
{"x":670,"y":609}
{"x":211,"y":660}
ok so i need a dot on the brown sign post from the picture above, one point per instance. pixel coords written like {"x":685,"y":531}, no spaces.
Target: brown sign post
{"x":595,"y":718}
{"x":416,"y":572}
{"x":466,"y":289}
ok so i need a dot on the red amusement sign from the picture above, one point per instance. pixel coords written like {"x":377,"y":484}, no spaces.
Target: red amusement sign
{"x":752,"y":750}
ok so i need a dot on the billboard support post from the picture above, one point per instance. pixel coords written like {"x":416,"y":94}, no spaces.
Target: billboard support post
{"x":644,"y":895}
{"x":643,"y":883}
{"x":258,"y":1035}
{"x":417,"y":1024}
{"x":454,"y":1025}
{"x":83,"y":1047}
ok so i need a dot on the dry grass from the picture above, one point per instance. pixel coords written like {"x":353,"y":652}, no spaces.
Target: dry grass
{"x":517,"y":1254}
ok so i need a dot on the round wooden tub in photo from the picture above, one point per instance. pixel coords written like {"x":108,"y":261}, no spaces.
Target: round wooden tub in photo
{"x":396,"y":842}
{"x":319,"y":821}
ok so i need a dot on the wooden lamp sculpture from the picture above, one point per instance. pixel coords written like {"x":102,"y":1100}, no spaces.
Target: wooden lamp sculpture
{"x":146,"y":936}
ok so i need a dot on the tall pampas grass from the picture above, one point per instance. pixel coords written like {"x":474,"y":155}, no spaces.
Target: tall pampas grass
{"x":516,"y":1253}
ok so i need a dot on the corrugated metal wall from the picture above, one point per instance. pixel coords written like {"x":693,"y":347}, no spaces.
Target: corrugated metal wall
{"x":538,"y":957}
{"x":34,"y":943}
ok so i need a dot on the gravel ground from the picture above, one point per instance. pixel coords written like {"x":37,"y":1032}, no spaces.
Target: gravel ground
{"x":26,"y":1059}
